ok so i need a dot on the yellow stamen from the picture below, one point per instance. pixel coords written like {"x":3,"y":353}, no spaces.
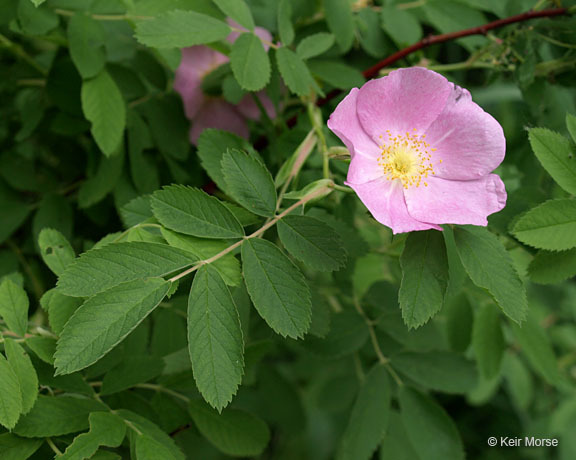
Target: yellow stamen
{"x":406,"y":157}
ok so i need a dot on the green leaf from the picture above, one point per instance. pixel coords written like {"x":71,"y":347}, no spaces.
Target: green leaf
{"x":488,"y":341}
{"x":556,"y":156}
{"x":136,"y":211}
{"x":37,"y":3}
{"x":100,"y":269}
{"x":143,"y":169}
{"x":59,"y":308}
{"x":148,"y":448}
{"x":104,"y":320}
{"x":233,"y":432}
{"x":536,"y":345}
{"x":250,"y":62}
{"x":96,"y":187}
{"x":439,"y":370}
{"x":313,"y":242}
{"x":285,"y":27}
{"x":10,"y":395}
{"x":16,"y":448}
{"x":14,"y":213}
{"x":106,"y":429}
{"x":371,"y":34}
{"x":340,"y":22}
{"x":25,"y":372}
{"x":396,"y":444}
{"x":237,"y":10}
{"x":400,"y":25}
{"x":56,"y":251}
{"x":214,"y":338}
{"x":104,"y":107}
{"x":43,"y":347}
{"x":36,"y":21}
{"x":431,"y":431}
{"x":86,"y":38}
{"x":57,"y":416}
{"x":249,"y":183}
{"x":277,"y":288}
{"x":571,"y":125}
{"x":53,"y":212}
{"x":179,"y":29}
{"x":294,"y":72}
{"x":130,"y":372}
{"x":228,"y":266}
{"x":551,"y":225}
{"x":369,"y":417}
{"x":151,"y":430}
{"x":490,"y":267}
{"x":314,"y":45}
{"x":191,"y":211}
{"x":451,"y":15}
{"x":14,"y":307}
{"x":424,"y":277}
{"x":552,"y":267}
{"x":337,"y":73}
{"x":348,"y":333}
{"x":212,"y":145}
{"x":168,"y":126}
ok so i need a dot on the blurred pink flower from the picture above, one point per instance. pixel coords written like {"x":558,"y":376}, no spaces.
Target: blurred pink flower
{"x":422,"y":151}
{"x":215,"y":112}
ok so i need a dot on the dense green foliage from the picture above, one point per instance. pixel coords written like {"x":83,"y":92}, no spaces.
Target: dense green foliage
{"x":160,"y":300}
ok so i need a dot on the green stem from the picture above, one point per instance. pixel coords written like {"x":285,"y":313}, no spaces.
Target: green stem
{"x":315,"y":118}
{"x":18,"y":51}
{"x":103,"y":17}
{"x":162,"y":389}
{"x":341,"y":188}
{"x":36,"y":284}
{"x":556,"y":42}
{"x":53,"y":446}
{"x":256,"y":234}
{"x":376,"y":345}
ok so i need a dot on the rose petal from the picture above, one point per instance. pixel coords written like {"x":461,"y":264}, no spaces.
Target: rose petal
{"x":218,"y":114}
{"x":196,"y":62}
{"x":469,"y":141}
{"x":405,"y":100}
{"x":363,"y":169}
{"x":456,"y":202}
{"x":345,"y":124}
{"x":385,"y":200}
{"x":248,"y":107}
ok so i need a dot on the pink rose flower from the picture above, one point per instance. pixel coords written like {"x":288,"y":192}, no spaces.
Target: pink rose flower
{"x":422,"y":151}
{"x":214,"y":112}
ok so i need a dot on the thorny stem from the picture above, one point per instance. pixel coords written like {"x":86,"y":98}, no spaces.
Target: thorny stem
{"x":434,"y":39}
{"x":257,"y":233}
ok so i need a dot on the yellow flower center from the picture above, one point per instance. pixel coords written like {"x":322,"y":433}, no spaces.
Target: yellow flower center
{"x":407,"y":157}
